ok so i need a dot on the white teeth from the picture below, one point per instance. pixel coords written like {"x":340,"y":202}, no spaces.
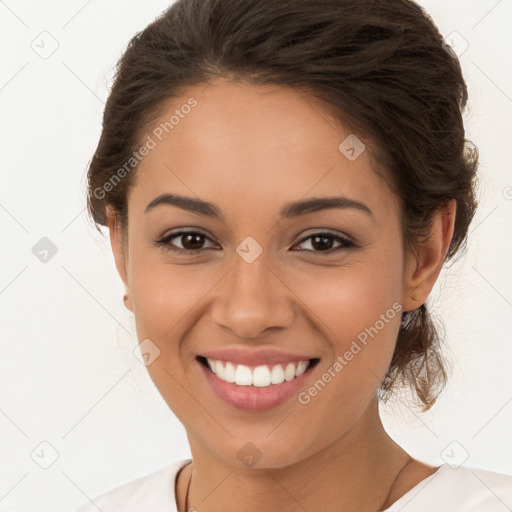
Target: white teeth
{"x":243,"y":375}
{"x":289,"y":373}
{"x":277,"y":374}
{"x":301,"y":368}
{"x":229,"y":373}
{"x":261,"y":376}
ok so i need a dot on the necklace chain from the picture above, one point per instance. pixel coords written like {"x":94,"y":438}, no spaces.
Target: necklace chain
{"x":186,"y":494}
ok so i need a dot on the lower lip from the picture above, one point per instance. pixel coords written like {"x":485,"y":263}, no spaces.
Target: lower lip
{"x":253,"y":398}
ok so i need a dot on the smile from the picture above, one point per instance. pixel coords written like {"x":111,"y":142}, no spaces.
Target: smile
{"x":258,"y":376}
{"x":255,"y":388}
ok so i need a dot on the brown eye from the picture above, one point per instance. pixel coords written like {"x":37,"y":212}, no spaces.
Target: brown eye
{"x":191,"y":241}
{"x":194,"y":242}
{"x":323,"y":242}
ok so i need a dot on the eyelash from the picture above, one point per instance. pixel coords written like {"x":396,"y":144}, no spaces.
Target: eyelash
{"x":164,"y":242}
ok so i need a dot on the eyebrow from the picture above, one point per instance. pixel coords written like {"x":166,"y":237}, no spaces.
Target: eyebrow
{"x":290,"y":210}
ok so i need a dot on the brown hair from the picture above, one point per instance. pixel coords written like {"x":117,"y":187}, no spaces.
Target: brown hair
{"x":379,"y":65}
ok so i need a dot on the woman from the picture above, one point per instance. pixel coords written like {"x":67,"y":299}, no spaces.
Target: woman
{"x":282,"y":183}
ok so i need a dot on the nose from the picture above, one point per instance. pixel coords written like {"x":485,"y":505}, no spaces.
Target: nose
{"x":253,"y":299}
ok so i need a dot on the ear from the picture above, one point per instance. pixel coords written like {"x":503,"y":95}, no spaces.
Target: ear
{"x":118,"y":250}
{"x":422,"y":270}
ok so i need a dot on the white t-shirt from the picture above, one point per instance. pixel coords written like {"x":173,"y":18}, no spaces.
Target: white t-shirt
{"x":447,"y":490}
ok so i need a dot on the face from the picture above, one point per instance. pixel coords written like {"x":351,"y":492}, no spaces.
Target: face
{"x":325,"y":283}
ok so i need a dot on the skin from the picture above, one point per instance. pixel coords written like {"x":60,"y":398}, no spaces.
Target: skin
{"x":250,"y":150}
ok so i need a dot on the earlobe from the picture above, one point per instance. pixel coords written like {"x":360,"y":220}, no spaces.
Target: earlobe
{"x":423,"y":273}
{"x":116,"y":243}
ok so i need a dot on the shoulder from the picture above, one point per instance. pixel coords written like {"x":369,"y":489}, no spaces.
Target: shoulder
{"x":462,"y":489}
{"x":480,"y":488}
{"x":153,"y":492}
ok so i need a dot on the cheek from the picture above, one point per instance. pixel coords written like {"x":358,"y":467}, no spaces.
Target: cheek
{"x":166,"y":303}
{"x":357,"y":308}
{"x":359,"y":323}
{"x":352,"y":296}
{"x":164,"y":296}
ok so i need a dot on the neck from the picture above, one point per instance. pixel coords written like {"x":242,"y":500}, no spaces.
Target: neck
{"x":359,"y":470}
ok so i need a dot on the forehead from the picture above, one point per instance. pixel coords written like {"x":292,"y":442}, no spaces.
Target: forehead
{"x":254,"y":145}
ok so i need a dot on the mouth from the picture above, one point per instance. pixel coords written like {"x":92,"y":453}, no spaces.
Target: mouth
{"x":255,"y":389}
{"x":257,"y":376}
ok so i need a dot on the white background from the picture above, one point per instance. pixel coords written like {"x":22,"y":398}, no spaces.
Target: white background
{"x":67,"y":373}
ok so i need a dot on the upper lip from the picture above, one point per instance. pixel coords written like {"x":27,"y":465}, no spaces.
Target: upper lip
{"x":255,"y":357}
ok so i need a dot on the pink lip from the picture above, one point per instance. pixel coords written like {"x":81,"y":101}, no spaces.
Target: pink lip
{"x":252,"y":398}
{"x":255,"y":357}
